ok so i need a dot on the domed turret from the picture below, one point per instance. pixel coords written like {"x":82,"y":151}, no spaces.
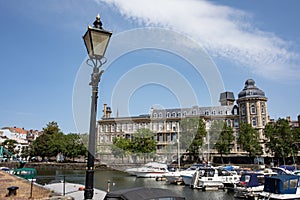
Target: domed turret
{"x":250,"y":90}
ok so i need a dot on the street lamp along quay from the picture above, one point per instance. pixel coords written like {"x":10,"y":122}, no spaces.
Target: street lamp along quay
{"x":96,"y":40}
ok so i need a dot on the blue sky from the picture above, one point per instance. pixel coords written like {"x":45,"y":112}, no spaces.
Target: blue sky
{"x":44,"y":78}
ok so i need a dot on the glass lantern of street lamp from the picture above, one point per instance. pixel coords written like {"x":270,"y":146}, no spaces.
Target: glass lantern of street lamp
{"x":96,"y":40}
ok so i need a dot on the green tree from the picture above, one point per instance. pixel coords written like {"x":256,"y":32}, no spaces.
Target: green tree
{"x":25,"y":152}
{"x":40,"y":146}
{"x":143,"y":143}
{"x":50,"y":143}
{"x":197,"y":141}
{"x":225,"y":140}
{"x":51,"y":128}
{"x":249,"y":141}
{"x":282,"y":139}
{"x":73,"y":146}
{"x":189,"y":127}
{"x":121,"y":147}
{"x":10,"y":145}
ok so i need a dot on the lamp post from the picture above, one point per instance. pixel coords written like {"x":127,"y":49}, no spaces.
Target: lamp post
{"x":96,"y":40}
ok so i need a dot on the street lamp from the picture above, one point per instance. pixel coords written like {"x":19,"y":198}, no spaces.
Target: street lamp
{"x":96,"y":40}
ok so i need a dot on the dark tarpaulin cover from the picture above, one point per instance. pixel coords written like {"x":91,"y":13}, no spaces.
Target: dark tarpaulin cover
{"x":281,"y":184}
{"x":144,"y":194}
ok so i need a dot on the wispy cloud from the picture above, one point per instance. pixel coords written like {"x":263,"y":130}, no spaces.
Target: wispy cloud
{"x":223,"y":31}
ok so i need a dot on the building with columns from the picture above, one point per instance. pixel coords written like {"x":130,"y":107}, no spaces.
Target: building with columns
{"x":250,"y":107}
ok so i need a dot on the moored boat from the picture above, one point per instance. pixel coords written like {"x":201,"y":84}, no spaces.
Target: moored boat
{"x":150,"y":170}
{"x":26,"y":173}
{"x":207,"y":178}
{"x":187,"y":174}
{"x":143,"y":193}
{"x":283,"y":186}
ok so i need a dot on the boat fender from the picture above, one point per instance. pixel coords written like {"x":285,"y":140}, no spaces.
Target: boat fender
{"x":81,"y":188}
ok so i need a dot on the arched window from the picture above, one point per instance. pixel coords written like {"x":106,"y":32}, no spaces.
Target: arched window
{"x":243,"y":110}
{"x":194,"y":112}
{"x":253,"y":109}
{"x":173,"y":114}
{"x":179,"y":114}
{"x":168,"y":114}
{"x":235,"y":111}
{"x":160,"y":115}
{"x":262,"y":109}
{"x":263,"y":121}
{"x":154,"y":115}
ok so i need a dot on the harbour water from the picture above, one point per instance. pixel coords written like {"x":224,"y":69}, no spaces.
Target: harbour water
{"x":121,"y":180}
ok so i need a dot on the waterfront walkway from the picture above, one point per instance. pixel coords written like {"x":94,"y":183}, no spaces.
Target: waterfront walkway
{"x":24,"y":191}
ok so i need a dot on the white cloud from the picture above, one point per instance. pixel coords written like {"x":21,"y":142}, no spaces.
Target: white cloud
{"x":223,"y":31}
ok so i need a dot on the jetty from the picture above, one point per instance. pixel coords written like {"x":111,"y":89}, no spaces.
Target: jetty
{"x":13,"y":187}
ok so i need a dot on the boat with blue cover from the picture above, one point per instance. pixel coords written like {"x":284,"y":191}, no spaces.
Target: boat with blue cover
{"x":284,"y":186}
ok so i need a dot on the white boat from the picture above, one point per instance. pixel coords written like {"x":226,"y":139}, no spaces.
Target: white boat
{"x":207,"y":178}
{"x":150,"y":170}
{"x":178,"y":176}
{"x":73,"y":190}
{"x":229,"y":178}
{"x":187,"y":174}
{"x":173,"y":177}
{"x":284,"y":186}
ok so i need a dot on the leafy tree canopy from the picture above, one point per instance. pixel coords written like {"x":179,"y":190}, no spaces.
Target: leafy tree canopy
{"x":248,"y":139}
{"x":283,"y":141}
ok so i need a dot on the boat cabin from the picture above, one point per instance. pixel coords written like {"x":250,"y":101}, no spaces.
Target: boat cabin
{"x":26,"y":173}
{"x":251,"y":179}
{"x":282,"y":184}
{"x":143,"y":193}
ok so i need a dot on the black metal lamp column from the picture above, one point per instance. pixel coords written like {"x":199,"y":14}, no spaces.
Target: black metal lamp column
{"x":96,"y":40}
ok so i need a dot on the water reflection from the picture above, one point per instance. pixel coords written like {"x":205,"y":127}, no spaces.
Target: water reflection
{"x":121,"y":180}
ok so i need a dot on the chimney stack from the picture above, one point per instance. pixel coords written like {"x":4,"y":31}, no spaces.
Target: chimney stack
{"x":106,"y":111}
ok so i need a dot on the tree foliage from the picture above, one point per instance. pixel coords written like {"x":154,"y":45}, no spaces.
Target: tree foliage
{"x":52,"y":142}
{"x":283,"y":141}
{"x":10,"y":145}
{"x":189,"y":127}
{"x":225,"y":139}
{"x":120,"y":147}
{"x":249,"y":140}
{"x":141,"y":144}
{"x":197,"y":140}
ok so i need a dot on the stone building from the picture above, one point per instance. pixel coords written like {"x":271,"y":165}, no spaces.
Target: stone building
{"x":251,"y":108}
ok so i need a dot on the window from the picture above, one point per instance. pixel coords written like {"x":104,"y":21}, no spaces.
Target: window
{"x":236,"y":122}
{"x":213,"y":112}
{"x":253,"y":109}
{"x":168,"y":114}
{"x":112,"y":128}
{"x":179,"y":114}
{"x":161,"y":126}
{"x":160,"y":115}
{"x":155,"y":126}
{"x":235,"y":111}
{"x":173,"y":114}
{"x":118,"y":127}
{"x":154,"y":115}
{"x":184,"y":113}
{"x":263,"y":121}
{"x":243,"y":110}
{"x":168,"y":126}
{"x":262,"y":109}
{"x":254,"y":121}
{"x":124,"y":127}
{"x":228,"y":122}
{"x":206,"y":112}
{"x":194,"y":112}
